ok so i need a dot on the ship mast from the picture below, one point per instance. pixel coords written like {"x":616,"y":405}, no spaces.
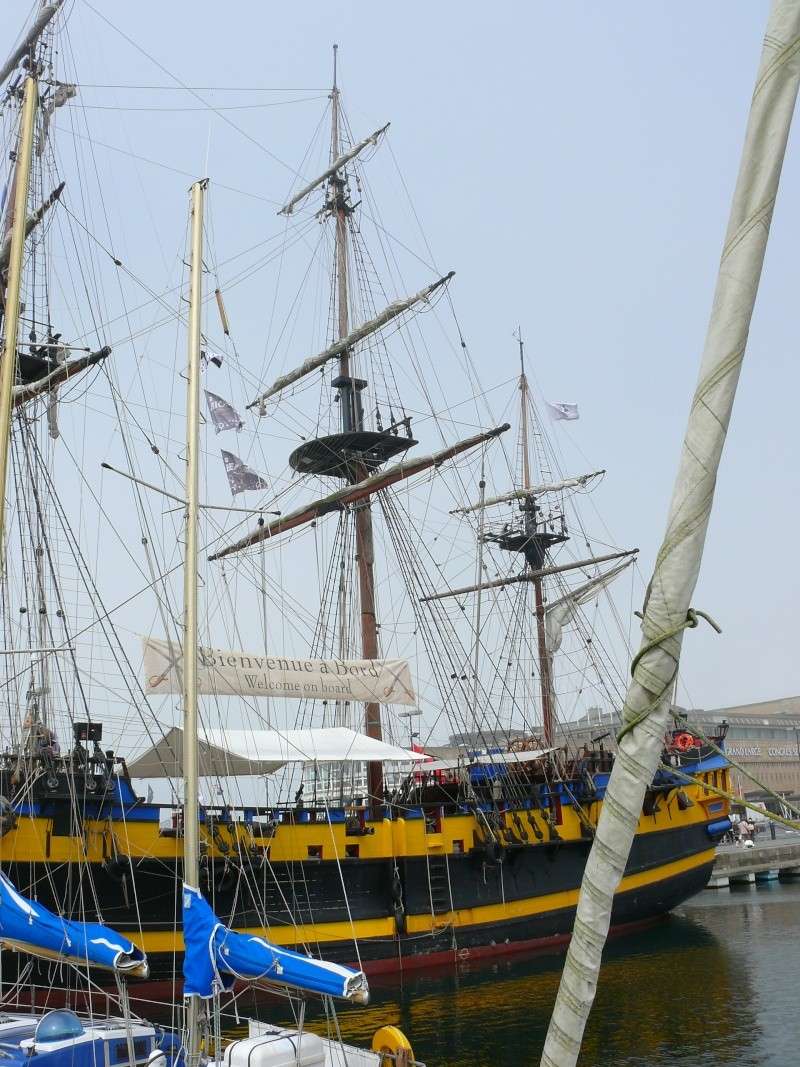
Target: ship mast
{"x":12,"y":296}
{"x":352,"y":421}
{"x":191,"y":769}
{"x":529,"y":510}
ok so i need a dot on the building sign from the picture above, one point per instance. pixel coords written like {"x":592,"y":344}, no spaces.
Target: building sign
{"x":773,"y":752}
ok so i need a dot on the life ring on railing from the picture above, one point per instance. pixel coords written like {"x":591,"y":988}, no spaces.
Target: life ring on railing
{"x":392,"y":1046}
{"x":684,"y":741}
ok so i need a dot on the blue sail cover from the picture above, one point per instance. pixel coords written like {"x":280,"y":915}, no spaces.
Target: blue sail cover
{"x":28,"y":926}
{"x":213,"y":954}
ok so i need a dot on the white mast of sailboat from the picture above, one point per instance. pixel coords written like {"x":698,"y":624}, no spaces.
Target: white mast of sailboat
{"x":191,"y":770}
{"x":8,"y":365}
{"x":667,"y":612}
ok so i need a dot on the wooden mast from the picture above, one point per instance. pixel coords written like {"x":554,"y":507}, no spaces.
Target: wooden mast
{"x":8,"y":364}
{"x":352,"y":419}
{"x":191,"y":769}
{"x":545,"y":676}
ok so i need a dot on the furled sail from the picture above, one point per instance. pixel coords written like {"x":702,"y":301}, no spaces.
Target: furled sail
{"x":338,"y":163}
{"x":46,"y":13}
{"x":529,"y":576}
{"x":358,"y":334}
{"x":560,"y":612}
{"x":536,"y":490}
{"x":61,"y":373}
{"x":228,"y":673}
{"x":351,"y":494}
{"x":28,"y":926}
{"x":215,"y":957}
{"x":30,"y":225}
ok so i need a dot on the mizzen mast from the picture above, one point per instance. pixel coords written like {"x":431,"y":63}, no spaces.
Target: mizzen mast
{"x":529,"y":509}
{"x":533,"y":539}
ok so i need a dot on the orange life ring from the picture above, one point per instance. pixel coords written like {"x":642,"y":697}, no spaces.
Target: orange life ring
{"x":684,"y":742}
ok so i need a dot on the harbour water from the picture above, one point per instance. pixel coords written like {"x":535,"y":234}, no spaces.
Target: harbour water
{"x":715,"y":983}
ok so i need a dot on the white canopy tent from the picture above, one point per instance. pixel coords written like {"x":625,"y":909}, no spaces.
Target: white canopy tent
{"x":256,"y":752}
{"x":490,"y":759}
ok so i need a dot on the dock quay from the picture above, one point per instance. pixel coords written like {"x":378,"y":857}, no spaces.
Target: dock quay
{"x":742,"y":866}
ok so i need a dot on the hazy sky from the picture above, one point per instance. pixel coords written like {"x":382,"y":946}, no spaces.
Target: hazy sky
{"x":574,"y":162}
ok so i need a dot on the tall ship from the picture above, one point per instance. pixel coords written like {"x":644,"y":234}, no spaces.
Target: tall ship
{"x":396,"y":582}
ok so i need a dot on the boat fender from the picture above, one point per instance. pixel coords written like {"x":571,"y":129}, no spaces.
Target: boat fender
{"x":117,"y":867}
{"x":509,"y":837}
{"x":495,"y":853}
{"x":399,"y":917}
{"x":393,"y":1047}
{"x":537,"y":832}
{"x":397,"y":886}
{"x":8,"y":819}
{"x":227,"y":879}
{"x":520,"y":828}
{"x":719,"y":828}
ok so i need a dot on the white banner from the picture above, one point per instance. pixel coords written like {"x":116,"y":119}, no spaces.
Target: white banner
{"x":224,"y":673}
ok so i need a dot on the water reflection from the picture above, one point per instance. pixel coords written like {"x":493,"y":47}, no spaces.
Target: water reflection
{"x":713,"y":985}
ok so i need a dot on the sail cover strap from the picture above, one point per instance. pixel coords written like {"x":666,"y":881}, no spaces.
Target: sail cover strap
{"x":29,"y":927}
{"x":215,"y":957}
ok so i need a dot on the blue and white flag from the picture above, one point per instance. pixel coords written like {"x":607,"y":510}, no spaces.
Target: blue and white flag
{"x":241,"y":478}
{"x":28,"y":926}
{"x":224,"y":416}
{"x":214,"y":957}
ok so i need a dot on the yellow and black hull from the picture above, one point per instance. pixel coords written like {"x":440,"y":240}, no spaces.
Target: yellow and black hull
{"x":408,"y":891}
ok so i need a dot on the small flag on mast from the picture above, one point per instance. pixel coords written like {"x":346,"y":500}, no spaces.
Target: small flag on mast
{"x":241,"y":478}
{"x":223,"y":415}
{"x":563,"y":411}
{"x":211,"y":357}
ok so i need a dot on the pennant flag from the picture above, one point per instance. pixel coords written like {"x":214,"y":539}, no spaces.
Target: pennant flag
{"x":223,"y":415}
{"x":563,"y":411}
{"x":241,"y":478}
{"x":211,"y":357}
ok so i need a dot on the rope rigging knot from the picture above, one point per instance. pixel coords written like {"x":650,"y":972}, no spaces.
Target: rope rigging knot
{"x":692,"y":620}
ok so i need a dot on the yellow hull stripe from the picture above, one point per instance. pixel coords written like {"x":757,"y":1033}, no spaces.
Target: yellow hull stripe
{"x":568,"y":898}
{"x":168,"y":941}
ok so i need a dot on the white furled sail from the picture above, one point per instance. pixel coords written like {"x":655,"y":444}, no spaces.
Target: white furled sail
{"x":43,"y":19}
{"x":646,"y":711}
{"x":562,"y":611}
{"x":30,"y":225}
{"x":353,"y":337}
{"x":227,"y":673}
{"x":338,"y":163}
{"x":579,"y":481}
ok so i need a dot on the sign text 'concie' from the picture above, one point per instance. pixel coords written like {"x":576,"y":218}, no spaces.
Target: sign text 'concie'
{"x":228,"y":673}
{"x":773,"y":752}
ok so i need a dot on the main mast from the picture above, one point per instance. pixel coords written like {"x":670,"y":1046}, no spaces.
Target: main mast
{"x":8,"y":366}
{"x":352,"y":421}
